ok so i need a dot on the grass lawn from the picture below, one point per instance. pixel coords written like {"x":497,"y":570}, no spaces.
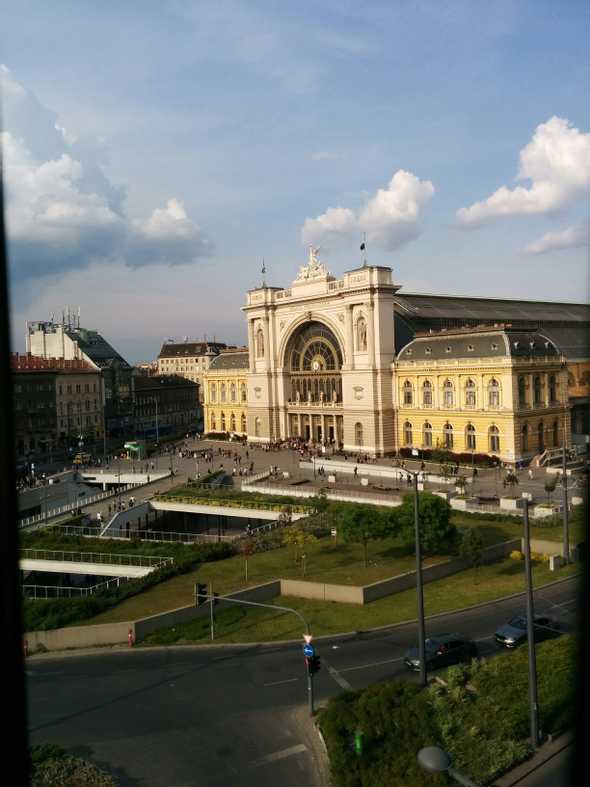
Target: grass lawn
{"x":503,"y":531}
{"x":460,"y":590}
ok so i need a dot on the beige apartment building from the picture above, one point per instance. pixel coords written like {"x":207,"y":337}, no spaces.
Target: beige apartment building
{"x":188,"y":359}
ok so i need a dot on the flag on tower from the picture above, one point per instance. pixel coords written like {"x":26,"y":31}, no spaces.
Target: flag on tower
{"x":362,"y":246}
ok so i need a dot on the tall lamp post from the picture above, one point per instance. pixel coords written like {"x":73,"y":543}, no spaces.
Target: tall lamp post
{"x":530,"y":614}
{"x":419,"y":590}
{"x":566,"y":537}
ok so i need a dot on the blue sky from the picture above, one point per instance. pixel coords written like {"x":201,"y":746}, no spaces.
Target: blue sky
{"x":196,"y":139}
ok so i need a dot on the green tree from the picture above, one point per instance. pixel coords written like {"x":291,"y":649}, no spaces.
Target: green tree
{"x":436,"y":531}
{"x":471,"y":548}
{"x":360,"y":524}
{"x":320,"y":505}
{"x":298,"y":538}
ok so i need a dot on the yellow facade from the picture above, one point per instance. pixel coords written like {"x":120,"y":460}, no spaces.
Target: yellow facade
{"x":509,"y":407}
{"x":226,"y":394}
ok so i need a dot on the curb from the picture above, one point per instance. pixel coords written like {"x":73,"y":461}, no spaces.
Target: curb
{"x":549,"y":749}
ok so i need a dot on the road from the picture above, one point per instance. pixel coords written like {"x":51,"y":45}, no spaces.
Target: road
{"x":227,"y":716}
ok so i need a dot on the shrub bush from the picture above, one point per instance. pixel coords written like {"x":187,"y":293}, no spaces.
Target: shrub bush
{"x":516,"y":554}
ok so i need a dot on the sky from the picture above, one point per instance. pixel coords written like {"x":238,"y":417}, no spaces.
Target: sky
{"x":156,"y":155}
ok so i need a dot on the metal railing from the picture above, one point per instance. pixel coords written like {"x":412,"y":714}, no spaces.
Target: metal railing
{"x":165,"y":536}
{"x":97,"y":558}
{"x":55,"y":591}
{"x":237,"y":503}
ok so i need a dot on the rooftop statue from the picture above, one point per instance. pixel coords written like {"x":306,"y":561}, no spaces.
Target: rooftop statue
{"x":314,"y":267}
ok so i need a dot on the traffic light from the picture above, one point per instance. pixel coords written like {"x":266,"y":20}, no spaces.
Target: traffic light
{"x":200,"y":594}
{"x":313,"y":664}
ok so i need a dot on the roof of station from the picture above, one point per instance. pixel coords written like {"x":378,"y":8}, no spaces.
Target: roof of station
{"x":231,"y":359}
{"x":478,"y":343}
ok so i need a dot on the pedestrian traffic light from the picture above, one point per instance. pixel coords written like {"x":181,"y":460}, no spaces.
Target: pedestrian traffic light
{"x":313,"y":664}
{"x":200,"y":594}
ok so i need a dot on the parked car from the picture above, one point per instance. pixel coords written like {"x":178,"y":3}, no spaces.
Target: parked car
{"x":514,"y":633}
{"x":442,"y":651}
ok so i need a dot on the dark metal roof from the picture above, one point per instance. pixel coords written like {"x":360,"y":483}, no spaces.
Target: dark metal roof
{"x":186,"y":349}
{"x":231,"y":360}
{"x":96,"y":347}
{"x":478,"y":344}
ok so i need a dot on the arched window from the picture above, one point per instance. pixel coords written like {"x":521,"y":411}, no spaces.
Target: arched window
{"x":470,"y":393}
{"x":361,"y":334}
{"x":494,"y":439}
{"x":427,"y":435}
{"x":223,"y":422}
{"x":213,"y":392}
{"x":470,"y":437}
{"x":232,"y":392}
{"x":244,"y":422}
{"x":522,"y":392}
{"x":555,"y":434}
{"x":541,"y":437}
{"x":358,"y":434}
{"x":447,"y":435}
{"x":448,"y":394}
{"x":552,"y":389}
{"x":537,"y":390}
{"x":243,"y":394}
{"x":232,"y":422}
{"x":408,"y":392}
{"x":213,"y":422}
{"x":525,"y":437}
{"x":260,"y":343}
{"x":223,"y":392}
{"x":493,"y":393}
{"x":407,"y":433}
{"x":427,"y":393}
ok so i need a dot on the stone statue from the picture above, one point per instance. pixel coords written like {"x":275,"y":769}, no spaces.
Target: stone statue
{"x":361,"y":327}
{"x":260,"y":343}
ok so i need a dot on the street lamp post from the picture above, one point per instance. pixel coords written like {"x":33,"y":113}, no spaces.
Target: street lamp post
{"x":435,"y":760}
{"x":530,"y":612}
{"x":419,"y":591}
{"x":566,"y":538}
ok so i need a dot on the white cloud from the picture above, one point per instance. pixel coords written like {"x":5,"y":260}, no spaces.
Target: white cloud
{"x":390,"y":218}
{"x":556,"y":162}
{"x":570,"y":238}
{"x":62,"y":212}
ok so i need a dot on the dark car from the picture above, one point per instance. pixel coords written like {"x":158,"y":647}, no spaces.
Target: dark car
{"x":514,"y":633}
{"x":442,"y":651}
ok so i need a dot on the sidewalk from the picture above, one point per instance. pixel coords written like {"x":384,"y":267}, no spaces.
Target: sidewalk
{"x":547,"y":750}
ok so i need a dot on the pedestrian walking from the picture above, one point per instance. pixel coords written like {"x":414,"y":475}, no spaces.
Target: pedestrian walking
{"x":531,"y":476}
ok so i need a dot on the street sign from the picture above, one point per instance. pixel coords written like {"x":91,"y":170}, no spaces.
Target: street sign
{"x":308,"y":651}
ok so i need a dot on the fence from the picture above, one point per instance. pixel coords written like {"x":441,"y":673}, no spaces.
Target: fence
{"x":54,"y":591}
{"x":165,"y":536}
{"x":69,"y":507}
{"x":95,"y":557}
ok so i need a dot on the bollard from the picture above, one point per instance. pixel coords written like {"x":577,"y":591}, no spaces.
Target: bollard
{"x":130,"y":638}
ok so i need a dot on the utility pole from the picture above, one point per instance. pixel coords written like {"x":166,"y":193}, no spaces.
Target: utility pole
{"x":212,"y":599}
{"x":419,"y":591}
{"x":530,"y":624}
{"x":566,"y":537}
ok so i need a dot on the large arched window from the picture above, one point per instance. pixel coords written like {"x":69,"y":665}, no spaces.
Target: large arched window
{"x":223,"y":422}
{"x":358,"y":434}
{"x":470,"y":437}
{"x":493,"y":394}
{"x":524,"y":436}
{"x":537,"y":390}
{"x":447,"y":435}
{"x":313,"y":359}
{"x":222,"y":392}
{"x":232,"y":392}
{"x":213,"y":422}
{"x":522,"y":391}
{"x":470,"y":393}
{"x":244,"y":422}
{"x":494,"y":439}
{"x":408,"y":392}
{"x":427,"y":435}
{"x":232,"y":423}
{"x":213,"y":392}
{"x":243,"y":393}
{"x":448,"y":394}
{"x":407,"y":433}
{"x":427,"y":393}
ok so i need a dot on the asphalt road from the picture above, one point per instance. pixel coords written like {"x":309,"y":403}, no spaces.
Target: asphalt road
{"x":227,"y":716}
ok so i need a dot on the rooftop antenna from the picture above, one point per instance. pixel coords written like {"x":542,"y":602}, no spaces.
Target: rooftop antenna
{"x":78,"y":316}
{"x":364,"y":249}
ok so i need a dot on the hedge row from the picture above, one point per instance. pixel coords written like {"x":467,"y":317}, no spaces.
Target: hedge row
{"x":485,"y":731}
{"x":440,"y":455}
{"x":44,"y":615}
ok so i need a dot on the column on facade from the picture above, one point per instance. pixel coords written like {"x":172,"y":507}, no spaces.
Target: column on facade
{"x":323,"y":427}
{"x":299,"y":432}
{"x":265,"y":328}
{"x":349,"y":336}
{"x":371,"y":333}
{"x":252,"y":347}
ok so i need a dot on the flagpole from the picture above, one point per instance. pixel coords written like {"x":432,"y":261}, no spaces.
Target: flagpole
{"x":364,"y":249}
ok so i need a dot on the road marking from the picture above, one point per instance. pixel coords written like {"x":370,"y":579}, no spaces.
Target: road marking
{"x":344,"y":684}
{"x":278,"y":755}
{"x":278,"y":682}
{"x":374,"y":664}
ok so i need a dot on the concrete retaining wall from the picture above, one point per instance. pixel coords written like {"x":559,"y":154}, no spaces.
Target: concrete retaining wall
{"x":78,"y":637}
{"x":321,"y":591}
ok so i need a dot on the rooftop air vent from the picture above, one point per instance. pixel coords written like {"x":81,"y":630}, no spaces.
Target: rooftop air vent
{"x":495,"y":346}
{"x":448,"y":349}
{"x":470,"y":348}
